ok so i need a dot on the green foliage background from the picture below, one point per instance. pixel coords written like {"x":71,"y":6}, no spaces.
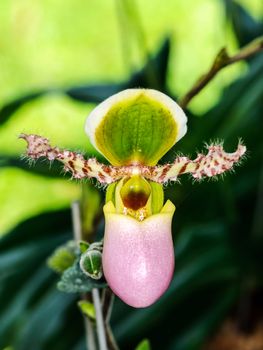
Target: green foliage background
{"x":61,"y":58}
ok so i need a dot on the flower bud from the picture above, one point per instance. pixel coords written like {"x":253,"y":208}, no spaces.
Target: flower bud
{"x":90,"y":264}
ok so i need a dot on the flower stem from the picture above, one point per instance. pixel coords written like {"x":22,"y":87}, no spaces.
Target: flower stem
{"x":99,"y":320}
{"x":77,"y":231}
{"x":90,"y":336}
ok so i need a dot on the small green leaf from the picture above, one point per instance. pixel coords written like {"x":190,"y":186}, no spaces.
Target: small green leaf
{"x":62,"y":258}
{"x":73,"y":280}
{"x":143,"y":345}
{"x":91,"y":263}
{"x":87,"y":308}
{"x":83,"y":246}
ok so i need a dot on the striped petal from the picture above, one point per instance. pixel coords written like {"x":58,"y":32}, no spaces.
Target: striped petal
{"x":216,"y":162}
{"x":74,"y":163}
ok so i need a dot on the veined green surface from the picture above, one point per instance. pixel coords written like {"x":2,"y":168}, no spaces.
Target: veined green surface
{"x":137,"y":130}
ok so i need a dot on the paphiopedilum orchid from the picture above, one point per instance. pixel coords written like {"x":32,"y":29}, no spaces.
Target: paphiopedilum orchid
{"x":133,"y":130}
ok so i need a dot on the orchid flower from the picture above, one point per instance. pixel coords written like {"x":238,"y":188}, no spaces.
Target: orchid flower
{"x":133,"y":130}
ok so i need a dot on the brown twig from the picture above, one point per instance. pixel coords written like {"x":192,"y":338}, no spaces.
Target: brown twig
{"x":221,"y":61}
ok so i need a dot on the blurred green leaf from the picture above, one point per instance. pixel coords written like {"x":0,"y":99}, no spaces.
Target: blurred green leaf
{"x":28,"y":295}
{"x":246,"y":28}
{"x":83,"y":246}
{"x":98,"y":93}
{"x":8,"y":109}
{"x":198,"y":331}
{"x":45,"y":320}
{"x":38,"y":167}
{"x":87,"y":308}
{"x":63,"y":257}
{"x":144,"y":345}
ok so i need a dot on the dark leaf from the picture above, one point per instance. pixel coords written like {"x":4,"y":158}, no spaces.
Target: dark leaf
{"x":38,"y":167}
{"x":246,"y":28}
{"x":47,"y":225}
{"x":73,"y":280}
{"x":8,"y":109}
{"x":204,"y":268}
{"x":25,"y":280}
{"x":94,"y":93}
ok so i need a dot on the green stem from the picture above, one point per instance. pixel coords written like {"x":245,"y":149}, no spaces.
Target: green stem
{"x":99,"y":320}
{"x":77,"y":231}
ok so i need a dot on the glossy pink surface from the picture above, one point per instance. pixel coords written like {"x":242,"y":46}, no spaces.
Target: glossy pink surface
{"x":138,"y":257}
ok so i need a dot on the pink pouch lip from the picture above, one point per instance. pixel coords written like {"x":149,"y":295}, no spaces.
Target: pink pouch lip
{"x":138,"y":256}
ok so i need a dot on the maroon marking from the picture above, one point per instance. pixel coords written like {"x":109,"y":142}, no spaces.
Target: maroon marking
{"x":165,"y":171}
{"x":71,"y":164}
{"x":216,"y":162}
{"x":106,"y":169}
{"x":183,"y":168}
{"x":85,"y":171}
{"x":101,"y":176}
{"x":197,"y":166}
